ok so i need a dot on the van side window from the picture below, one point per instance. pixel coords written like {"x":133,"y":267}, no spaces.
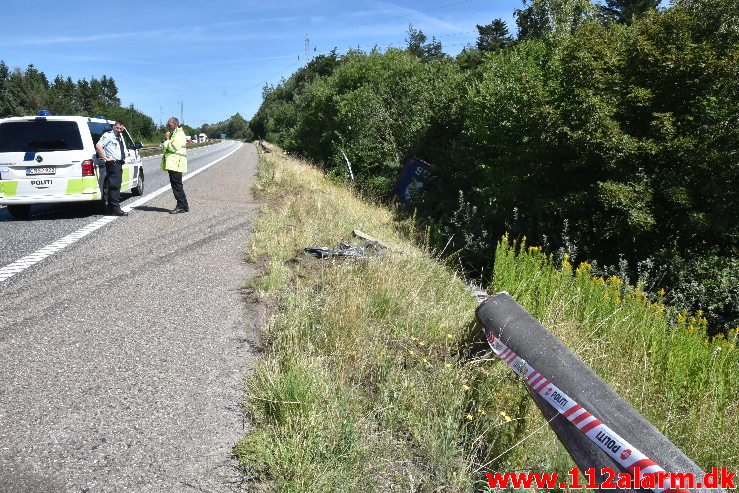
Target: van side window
{"x":129,"y":141}
{"x":97,"y":130}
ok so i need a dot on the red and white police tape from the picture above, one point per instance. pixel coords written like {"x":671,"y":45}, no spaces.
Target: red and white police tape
{"x":606,"y":439}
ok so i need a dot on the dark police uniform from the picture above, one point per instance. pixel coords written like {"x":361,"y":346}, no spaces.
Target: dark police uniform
{"x":114,"y":147}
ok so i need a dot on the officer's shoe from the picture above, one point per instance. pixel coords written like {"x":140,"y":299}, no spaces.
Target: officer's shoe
{"x":118,"y":212}
{"x":178,"y":210}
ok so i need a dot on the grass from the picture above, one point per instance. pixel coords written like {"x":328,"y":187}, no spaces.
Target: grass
{"x":373,"y":380}
{"x":684,"y":383}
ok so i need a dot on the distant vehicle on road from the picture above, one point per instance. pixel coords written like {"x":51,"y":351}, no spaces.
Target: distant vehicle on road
{"x":49,"y":159}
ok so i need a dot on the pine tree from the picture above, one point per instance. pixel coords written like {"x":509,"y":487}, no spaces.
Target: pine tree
{"x":8,"y":102}
{"x":623,"y":11}
{"x":61,"y":96}
{"x":493,"y":36}
{"x":417,"y":45}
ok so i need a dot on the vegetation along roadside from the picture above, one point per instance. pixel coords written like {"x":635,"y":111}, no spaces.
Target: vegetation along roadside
{"x":611,"y":139}
{"x":372,"y":378}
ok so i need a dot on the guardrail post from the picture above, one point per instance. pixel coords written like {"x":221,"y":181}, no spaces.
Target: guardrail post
{"x":548,"y":367}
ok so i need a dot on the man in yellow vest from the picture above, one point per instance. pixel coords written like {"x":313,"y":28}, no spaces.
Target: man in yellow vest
{"x":174,"y":160}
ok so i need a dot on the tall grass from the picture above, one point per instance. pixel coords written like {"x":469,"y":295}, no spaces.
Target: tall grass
{"x":657,"y":358}
{"x":371,"y":380}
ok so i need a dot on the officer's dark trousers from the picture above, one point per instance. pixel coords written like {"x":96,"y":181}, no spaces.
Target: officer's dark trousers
{"x":175,"y":179}
{"x":112,"y":182}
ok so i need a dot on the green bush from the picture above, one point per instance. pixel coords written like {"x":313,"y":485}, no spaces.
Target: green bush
{"x":376,"y":109}
{"x":616,"y":143}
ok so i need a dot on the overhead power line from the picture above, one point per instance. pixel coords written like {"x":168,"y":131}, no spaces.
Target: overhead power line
{"x":422,"y":11}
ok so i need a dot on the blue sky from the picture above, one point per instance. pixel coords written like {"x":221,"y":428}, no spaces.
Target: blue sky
{"x":214,"y":57}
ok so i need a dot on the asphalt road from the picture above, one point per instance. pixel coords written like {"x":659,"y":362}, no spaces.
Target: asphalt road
{"x":53,"y":221}
{"x":122,"y":355}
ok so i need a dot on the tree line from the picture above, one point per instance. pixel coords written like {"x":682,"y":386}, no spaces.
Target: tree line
{"x":608,"y":132}
{"x":235,"y":127}
{"x":26,"y":91}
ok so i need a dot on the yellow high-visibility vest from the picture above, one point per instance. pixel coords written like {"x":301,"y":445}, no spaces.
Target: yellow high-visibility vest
{"x":174,"y":157}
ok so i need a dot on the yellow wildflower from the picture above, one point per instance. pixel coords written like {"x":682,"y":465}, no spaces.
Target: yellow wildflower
{"x":566,"y":265}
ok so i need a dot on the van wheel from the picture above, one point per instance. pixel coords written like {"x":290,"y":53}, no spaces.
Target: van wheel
{"x":138,"y":190}
{"x":19,"y":211}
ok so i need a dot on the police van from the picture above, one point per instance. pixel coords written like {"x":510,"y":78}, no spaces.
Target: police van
{"x":48,"y":159}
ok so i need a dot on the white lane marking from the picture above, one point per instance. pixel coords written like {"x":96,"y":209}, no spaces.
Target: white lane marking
{"x":24,"y":263}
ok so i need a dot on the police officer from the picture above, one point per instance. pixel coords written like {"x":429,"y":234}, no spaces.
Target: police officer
{"x":113,"y":150}
{"x":174,"y":160}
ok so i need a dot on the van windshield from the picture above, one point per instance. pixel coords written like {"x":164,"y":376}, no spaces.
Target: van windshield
{"x":40,"y":135}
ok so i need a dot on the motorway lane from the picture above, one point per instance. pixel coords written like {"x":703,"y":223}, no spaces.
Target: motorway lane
{"x":50,"y":222}
{"x":123,"y":355}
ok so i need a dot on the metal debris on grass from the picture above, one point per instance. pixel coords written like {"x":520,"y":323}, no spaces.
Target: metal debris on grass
{"x":345,"y":250}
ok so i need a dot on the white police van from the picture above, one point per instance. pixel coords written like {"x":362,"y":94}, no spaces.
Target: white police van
{"x":49,"y":159}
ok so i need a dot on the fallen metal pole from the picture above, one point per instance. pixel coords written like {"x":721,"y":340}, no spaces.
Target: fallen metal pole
{"x":598,"y":427}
